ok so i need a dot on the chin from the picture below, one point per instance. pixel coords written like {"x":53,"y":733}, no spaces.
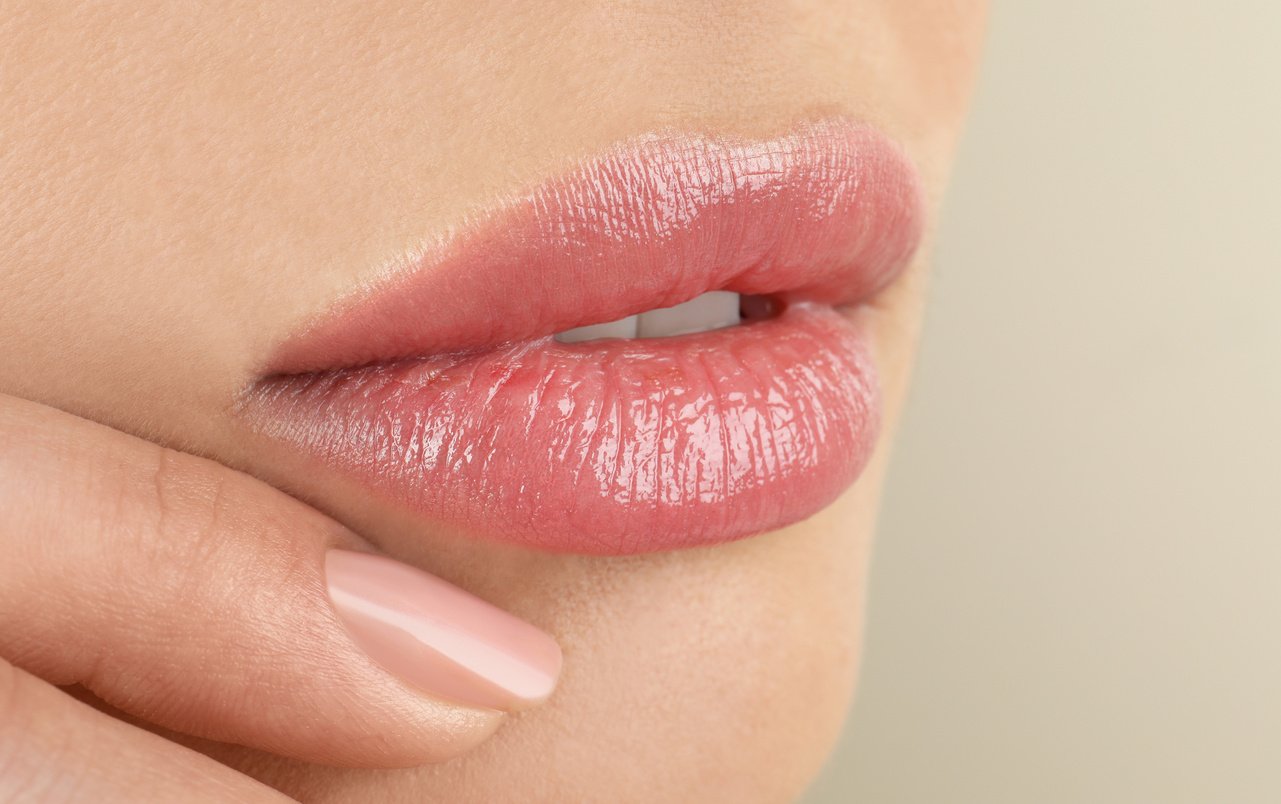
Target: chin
{"x":704,"y":675}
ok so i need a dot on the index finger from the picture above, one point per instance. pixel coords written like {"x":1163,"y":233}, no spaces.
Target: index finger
{"x":204,"y":601}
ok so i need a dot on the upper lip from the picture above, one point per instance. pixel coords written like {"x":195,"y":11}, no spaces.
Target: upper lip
{"x":442,"y":390}
{"x":830,"y":213}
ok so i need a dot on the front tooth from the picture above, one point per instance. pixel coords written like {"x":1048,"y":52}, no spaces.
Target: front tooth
{"x":622,"y":328}
{"x":713,"y":310}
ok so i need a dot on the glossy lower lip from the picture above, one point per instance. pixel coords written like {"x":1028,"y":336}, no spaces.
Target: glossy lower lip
{"x":443,"y":391}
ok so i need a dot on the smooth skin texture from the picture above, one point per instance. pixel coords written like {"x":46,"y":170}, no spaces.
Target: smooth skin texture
{"x":180,"y":189}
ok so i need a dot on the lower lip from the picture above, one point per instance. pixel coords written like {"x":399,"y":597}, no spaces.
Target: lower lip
{"x":606,"y":447}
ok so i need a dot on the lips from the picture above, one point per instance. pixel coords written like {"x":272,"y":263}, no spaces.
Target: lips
{"x":444,"y":389}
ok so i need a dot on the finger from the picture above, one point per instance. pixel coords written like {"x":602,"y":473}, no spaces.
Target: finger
{"x":54,"y":748}
{"x":206,"y":602}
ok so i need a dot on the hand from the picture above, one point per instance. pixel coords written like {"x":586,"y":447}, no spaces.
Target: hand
{"x":199,"y":601}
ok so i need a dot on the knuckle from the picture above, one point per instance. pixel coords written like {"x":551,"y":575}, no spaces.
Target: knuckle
{"x":188,"y":516}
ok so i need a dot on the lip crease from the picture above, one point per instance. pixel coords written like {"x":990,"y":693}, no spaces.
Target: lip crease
{"x":442,"y":389}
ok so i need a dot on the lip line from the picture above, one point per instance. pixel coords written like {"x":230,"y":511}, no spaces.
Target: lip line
{"x":786,"y":301}
{"x":324,"y":343}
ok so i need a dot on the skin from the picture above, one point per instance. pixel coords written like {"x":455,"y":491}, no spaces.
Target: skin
{"x":182,"y":191}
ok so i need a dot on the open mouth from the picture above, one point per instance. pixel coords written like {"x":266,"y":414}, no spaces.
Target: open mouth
{"x":715,"y":309}
{"x":647,"y":353}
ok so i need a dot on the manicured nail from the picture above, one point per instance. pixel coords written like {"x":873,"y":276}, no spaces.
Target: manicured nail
{"x":438,"y":638}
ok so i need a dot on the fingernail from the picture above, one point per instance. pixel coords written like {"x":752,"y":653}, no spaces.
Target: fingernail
{"x":438,"y":638}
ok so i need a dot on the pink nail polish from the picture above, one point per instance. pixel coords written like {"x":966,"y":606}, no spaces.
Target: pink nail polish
{"x":438,"y":638}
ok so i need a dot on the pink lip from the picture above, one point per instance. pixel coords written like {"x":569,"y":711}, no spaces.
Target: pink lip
{"x":443,"y":390}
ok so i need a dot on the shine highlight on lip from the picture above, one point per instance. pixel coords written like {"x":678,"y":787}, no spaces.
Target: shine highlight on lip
{"x":528,"y":382}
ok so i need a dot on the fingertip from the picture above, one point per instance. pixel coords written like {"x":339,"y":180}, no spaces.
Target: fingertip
{"x":438,"y":638}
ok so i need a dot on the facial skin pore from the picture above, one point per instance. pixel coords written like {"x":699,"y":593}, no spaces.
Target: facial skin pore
{"x":181,"y":191}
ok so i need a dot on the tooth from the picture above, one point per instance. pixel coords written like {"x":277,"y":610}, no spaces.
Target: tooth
{"x":622,"y":328}
{"x":713,"y":310}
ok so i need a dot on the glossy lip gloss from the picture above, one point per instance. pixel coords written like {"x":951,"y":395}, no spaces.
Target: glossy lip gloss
{"x":443,"y":391}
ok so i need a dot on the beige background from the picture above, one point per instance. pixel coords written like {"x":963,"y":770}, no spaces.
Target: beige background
{"x":1077,"y":591}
